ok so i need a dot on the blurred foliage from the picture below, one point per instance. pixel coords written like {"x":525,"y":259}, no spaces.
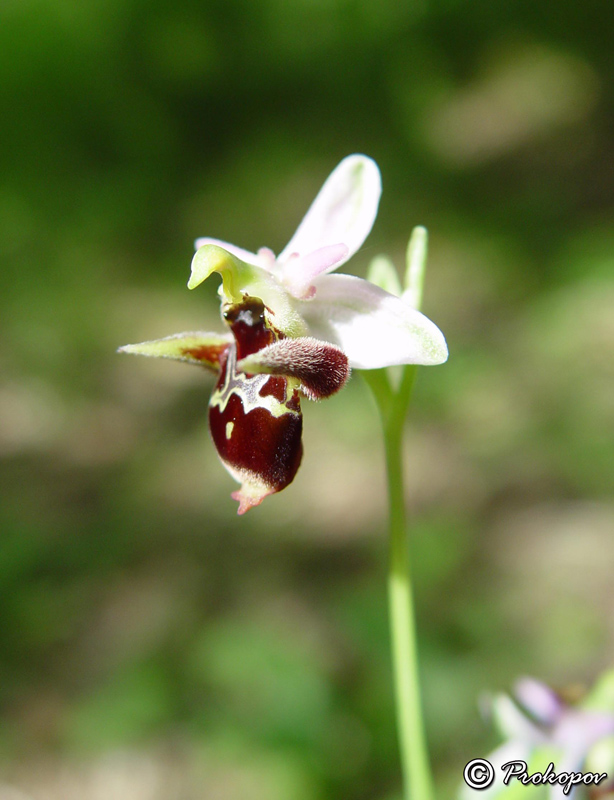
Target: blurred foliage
{"x":155,"y":646}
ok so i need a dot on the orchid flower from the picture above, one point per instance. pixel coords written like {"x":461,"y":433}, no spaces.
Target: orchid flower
{"x":295,"y":331}
{"x":540,"y":727}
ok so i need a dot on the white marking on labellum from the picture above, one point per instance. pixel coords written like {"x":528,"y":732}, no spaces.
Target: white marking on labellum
{"x":248,"y":389}
{"x":229,"y":426}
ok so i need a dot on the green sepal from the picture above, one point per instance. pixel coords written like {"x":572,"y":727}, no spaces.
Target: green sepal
{"x":241,"y":280}
{"x":600,"y":757}
{"x":383,"y":273}
{"x":379,"y":383}
{"x":415,"y":266}
{"x":199,"y":348}
{"x":236,"y":274}
{"x":601,"y":696}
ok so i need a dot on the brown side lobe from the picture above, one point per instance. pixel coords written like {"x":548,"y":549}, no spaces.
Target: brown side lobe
{"x":208,"y":355}
{"x":321,"y":367}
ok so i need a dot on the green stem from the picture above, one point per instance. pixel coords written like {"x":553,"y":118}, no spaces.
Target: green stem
{"x":417,"y":779}
{"x":393,"y":404}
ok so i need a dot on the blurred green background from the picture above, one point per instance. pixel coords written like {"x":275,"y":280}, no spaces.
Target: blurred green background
{"x":153,"y":645}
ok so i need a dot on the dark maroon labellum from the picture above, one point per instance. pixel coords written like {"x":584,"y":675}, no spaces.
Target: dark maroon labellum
{"x":255,"y":419}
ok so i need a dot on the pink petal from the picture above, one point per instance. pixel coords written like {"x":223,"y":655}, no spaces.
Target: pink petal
{"x":539,"y":700}
{"x":299,"y":273}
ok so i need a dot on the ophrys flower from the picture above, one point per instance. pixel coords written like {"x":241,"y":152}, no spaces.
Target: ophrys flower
{"x":295,"y":331}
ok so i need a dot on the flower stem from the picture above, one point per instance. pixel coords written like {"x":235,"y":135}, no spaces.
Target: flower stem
{"x":393,"y":401}
{"x":417,"y":781}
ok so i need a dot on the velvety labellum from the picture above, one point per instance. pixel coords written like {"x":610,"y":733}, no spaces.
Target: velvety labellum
{"x":255,"y":419}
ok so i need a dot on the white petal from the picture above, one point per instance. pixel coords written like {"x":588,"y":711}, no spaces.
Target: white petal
{"x":239,"y":252}
{"x":343,"y":211}
{"x":373,"y":328}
